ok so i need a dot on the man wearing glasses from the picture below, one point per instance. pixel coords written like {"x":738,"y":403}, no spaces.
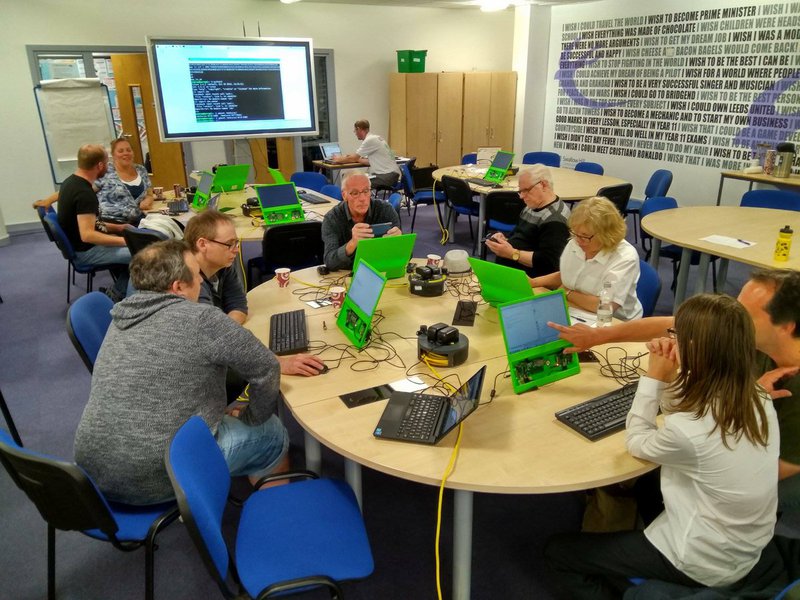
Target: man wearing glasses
{"x":352,"y":221}
{"x":538,"y":240}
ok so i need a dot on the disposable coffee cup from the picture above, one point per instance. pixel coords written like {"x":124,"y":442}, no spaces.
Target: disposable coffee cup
{"x":159,"y":192}
{"x":337,"y":296}
{"x":434,"y":260}
{"x":282,"y":275}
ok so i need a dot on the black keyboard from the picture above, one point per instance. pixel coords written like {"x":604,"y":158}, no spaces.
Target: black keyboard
{"x":600,"y":416}
{"x":311,"y":198}
{"x":178,"y":206}
{"x":420,"y":418}
{"x":288,"y":332}
{"x":481,"y":181}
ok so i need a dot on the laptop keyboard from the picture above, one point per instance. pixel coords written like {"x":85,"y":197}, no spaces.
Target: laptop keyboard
{"x":178,"y":206}
{"x":420,"y":418}
{"x":602,"y":415}
{"x":288,"y":332}
{"x":311,"y":198}
{"x":481,"y":181}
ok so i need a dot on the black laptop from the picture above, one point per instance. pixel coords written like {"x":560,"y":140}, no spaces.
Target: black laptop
{"x":426,"y":418}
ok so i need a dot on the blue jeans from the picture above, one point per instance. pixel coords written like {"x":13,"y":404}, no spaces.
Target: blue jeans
{"x":253,"y":450}
{"x":117,"y":257}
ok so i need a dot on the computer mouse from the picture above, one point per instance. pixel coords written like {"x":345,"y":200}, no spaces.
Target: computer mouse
{"x":252,"y":201}
{"x":323,"y":370}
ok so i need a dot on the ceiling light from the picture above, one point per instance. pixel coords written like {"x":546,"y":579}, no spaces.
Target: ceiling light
{"x":493,"y":5}
{"x":289,"y":1}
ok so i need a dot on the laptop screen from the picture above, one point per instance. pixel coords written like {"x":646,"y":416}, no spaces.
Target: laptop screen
{"x":277,"y":195}
{"x":366,"y":289}
{"x":329,"y":149}
{"x":502,"y":160}
{"x":204,"y":187}
{"x":464,"y":401}
{"x":525,"y":323}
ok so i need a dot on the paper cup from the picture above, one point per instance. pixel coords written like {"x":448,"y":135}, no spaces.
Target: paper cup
{"x":337,"y":296}
{"x":282,"y":275}
{"x":159,"y":192}
{"x":434,"y":260}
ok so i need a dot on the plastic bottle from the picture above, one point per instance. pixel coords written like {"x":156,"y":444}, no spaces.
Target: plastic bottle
{"x":605,"y":309}
{"x":784,"y":244}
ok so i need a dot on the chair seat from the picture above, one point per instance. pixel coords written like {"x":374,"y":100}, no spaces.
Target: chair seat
{"x":134,"y":522}
{"x":298,"y":530}
{"x":427,"y":197}
{"x":674,"y":252}
{"x":634,"y":205}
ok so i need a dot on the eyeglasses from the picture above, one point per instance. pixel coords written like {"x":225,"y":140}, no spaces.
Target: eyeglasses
{"x":359,"y":192}
{"x":232,"y":246}
{"x":583,"y":238}
{"x":672,"y":333}
{"x":523,"y":191}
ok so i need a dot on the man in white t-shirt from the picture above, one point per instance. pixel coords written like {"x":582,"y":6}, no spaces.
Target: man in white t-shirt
{"x":376,"y":154}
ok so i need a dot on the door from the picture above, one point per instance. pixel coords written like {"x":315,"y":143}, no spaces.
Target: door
{"x":421,"y":91}
{"x":138,"y":113}
{"x":501,"y":112}
{"x":450,"y":101}
{"x":477,"y":99}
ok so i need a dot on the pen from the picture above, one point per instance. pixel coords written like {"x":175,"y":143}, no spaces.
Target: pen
{"x":579,"y":319}
{"x":745,"y":242}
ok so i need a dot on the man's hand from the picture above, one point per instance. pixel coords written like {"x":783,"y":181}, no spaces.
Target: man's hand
{"x":394,"y":231}
{"x":300,"y":364}
{"x":663,"y":359}
{"x":770,"y":378}
{"x":500,"y":246}
{"x":581,"y":336}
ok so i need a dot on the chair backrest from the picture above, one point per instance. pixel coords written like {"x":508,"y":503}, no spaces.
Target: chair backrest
{"x":309,"y":179}
{"x":549,"y":159}
{"x":88,"y":319}
{"x":457,"y":192}
{"x":648,"y":288}
{"x":651,"y":205}
{"x":659,"y":183}
{"x":618,"y":194}
{"x":42,"y":211}
{"x":59,"y":237}
{"x":62,"y":492}
{"x":295,"y":245}
{"x":334,"y":191}
{"x":422,"y":177}
{"x":406,"y":180}
{"x":590,"y":167}
{"x":503,"y":207}
{"x":136,"y":238}
{"x":201,"y":481}
{"x":470,"y":158}
{"x":780,"y":199}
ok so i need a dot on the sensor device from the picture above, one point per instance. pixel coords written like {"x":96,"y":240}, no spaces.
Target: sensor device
{"x":442,"y":345}
{"x":427,"y":281}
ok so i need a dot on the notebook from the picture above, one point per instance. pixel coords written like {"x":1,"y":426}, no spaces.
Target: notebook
{"x":535,"y":352}
{"x":358,"y":307}
{"x":200,"y":201}
{"x":500,"y":283}
{"x":500,"y":165}
{"x":399,"y":419}
{"x":388,"y":254}
{"x":329,"y":150}
{"x":230,"y":178}
{"x":280,"y":203}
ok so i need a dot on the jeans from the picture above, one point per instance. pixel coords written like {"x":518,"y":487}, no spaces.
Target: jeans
{"x":253,"y":450}
{"x":116,"y":257}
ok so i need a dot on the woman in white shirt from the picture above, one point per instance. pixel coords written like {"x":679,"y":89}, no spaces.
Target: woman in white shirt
{"x":718,"y":451}
{"x":597,"y":253}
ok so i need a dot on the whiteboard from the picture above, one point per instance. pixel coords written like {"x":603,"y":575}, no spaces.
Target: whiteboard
{"x":73,"y":112}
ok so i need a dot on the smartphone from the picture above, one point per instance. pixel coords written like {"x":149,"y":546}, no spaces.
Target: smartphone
{"x":380,"y":229}
{"x":489,"y":237}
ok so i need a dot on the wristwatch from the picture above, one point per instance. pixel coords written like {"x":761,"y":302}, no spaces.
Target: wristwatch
{"x":515,"y":255}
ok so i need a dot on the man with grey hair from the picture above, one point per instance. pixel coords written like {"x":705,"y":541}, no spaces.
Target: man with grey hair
{"x":537,"y":241}
{"x":163,"y":360}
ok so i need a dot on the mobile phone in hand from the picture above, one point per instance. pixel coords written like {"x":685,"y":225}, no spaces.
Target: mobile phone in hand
{"x":380,"y":229}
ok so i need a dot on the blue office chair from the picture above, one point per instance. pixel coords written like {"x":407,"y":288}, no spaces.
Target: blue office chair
{"x":419,"y":196}
{"x":334,"y":191}
{"x":548,"y":159}
{"x":659,"y":184}
{"x":469,"y":159}
{"x":395,"y":201}
{"x":648,"y":288}
{"x":12,"y":427}
{"x":68,"y":500}
{"x":294,"y":245}
{"x":138,"y":238}
{"x":460,"y":201}
{"x":309,"y":180}
{"x":502,"y":213}
{"x":88,"y":320}
{"x":50,"y":222}
{"x":780,"y":199}
{"x":618,"y":194}
{"x":289,"y":538}
{"x":590,"y":167}
{"x":42,"y":211}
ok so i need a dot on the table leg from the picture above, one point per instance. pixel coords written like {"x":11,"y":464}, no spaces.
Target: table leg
{"x":352,"y":474}
{"x":313,"y":453}
{"x":655,"y":252}
{"x":719,"y":191}
{"x":702,"y":273}
{"x":683,"y":276}
{"x":481,"y":217}
{"x":722,"y":274}
{"x":462,"y":544}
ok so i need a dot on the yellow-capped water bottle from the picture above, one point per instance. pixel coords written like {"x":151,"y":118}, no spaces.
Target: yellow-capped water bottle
{"x":784,"y":244}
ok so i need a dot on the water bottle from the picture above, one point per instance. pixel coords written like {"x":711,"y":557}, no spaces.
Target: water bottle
{"x":784,"y":244}
{"x":605,"y":309}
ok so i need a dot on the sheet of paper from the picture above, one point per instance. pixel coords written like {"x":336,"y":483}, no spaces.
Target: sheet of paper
{"x":410,"y":384}
{"x":724,"y":240}
{"x":578,"y":315}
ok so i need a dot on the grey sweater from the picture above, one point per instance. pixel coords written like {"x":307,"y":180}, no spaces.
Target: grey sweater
{"x":163,"y":360}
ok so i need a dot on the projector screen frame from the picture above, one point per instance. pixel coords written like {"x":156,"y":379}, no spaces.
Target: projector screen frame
{"x":313,"y":130}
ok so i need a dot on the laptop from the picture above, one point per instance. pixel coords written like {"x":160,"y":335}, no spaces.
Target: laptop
{"x":425,"y":418}
{"x":280,"y":203}
{"x":388,"y":254}
{"x":329,"y":150}
{"x":201,"y":195}
{"x":231,"y":178}
{"x":358,"y":307}
{"x":277,"y":176}
{"x":535,"y":352}
{"x":485,"y":156}
{"x":500,"y":283}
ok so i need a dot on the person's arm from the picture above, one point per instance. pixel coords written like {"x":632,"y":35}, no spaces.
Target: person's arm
{"x":551,"y":281}
{"x":341,"y":159}
{"x":500,"y":245}
{"x":301,"y":364}
{"x":583,"y":300}
{"x":787,"y":469}
{"x":232,"y":293}
{"x":334,"y":240}
{"x":46,"y":202}
{"x":640,"y":330}
{"x":90,"y":235}
{"x":146,"y":203}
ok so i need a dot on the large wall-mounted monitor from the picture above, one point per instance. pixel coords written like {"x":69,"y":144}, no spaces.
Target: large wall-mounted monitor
{"x":223,"y":88}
